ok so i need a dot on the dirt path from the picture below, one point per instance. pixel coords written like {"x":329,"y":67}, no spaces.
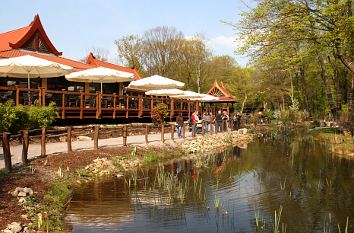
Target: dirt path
{"x":34,"y":150}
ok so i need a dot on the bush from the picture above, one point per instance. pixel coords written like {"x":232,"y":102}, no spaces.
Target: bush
{"x":41,"y":116}
{"x":159,"y":113}
{"x":15,"y":118}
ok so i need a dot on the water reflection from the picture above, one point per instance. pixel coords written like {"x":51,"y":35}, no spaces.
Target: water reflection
{"x":239,"y":191}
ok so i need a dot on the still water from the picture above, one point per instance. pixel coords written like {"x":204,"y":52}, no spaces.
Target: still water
{"x":287,"y":184}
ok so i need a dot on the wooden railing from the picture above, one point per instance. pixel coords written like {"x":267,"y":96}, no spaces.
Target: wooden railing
{"x":96,"y":105}
{"x":68,"y":134}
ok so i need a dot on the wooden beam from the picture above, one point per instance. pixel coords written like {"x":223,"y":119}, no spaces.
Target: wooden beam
{"x":25,"y":144}
{"x":6,"y":150}
{"x":43,"y":143}
{"x":68,"y":138}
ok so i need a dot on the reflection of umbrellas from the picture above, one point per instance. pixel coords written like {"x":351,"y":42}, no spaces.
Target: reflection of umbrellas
{"x":100,"y":75}
{"x":165,"y":92}
{"x":155,"y":82}
{"x":189,"y":95}
{"x":32,"y":67}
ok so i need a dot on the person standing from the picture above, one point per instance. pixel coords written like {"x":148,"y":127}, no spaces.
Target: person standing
{"x":218,"y":119}
{"x":238,"y":120}
{"x":225,"y":119}
{"x":179,"y":121}
{"x":206,"y":118}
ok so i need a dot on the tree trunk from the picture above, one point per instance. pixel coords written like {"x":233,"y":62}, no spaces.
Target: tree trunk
{"x":303,"y":85}
{"x":243,"y":103}
{"x":327,"y":87}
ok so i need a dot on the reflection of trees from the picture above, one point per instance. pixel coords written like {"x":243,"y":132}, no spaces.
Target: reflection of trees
{"x":316,"y":184}
{"x":297,"y":174}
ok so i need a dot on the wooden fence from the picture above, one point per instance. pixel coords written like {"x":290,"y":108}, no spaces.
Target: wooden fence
{"x":96,"y":132}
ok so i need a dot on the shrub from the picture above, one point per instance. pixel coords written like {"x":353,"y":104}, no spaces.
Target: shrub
{"x":159,"y":113}
{"x":41,"y":116}
{"x":15,"y":118}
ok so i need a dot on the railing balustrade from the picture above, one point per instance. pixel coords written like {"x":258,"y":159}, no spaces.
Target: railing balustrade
{"x":79,"y":104}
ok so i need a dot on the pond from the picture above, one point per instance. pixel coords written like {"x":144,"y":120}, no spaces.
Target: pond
{"x":290,"y":184}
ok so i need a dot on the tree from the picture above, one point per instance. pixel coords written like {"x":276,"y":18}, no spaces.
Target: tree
{"x":307,"y":39}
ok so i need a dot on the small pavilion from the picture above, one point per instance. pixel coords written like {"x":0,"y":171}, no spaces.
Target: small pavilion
{"x":224,"y":103}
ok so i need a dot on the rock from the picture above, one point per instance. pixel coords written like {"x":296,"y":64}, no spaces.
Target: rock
{"x":62,"y":139}
{"x":22,"y":194}
{"x":24,"y":216}
{"x":28,"y":191}
{"x":26,"y":230}
{"x":242,"y":131}
{"x":22,"y":200}
{"x":14,"y":227}
{"x":14,"y":193}
{"x":6,"y":231}
{"x":83,"y":138}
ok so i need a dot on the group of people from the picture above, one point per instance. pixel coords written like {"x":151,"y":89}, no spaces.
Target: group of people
{"x":221,"y":119}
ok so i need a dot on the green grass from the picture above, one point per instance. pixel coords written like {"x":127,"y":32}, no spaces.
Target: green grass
{"x":47,"y":213}
{"x":150,"y":157}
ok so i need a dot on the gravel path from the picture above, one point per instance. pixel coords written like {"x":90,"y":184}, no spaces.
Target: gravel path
{"x":34,"y":150}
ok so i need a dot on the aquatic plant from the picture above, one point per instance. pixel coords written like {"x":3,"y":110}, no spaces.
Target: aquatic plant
{"x":276,"y":223}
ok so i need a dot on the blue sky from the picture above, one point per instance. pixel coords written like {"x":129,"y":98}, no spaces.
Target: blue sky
{"x":75,"y":26}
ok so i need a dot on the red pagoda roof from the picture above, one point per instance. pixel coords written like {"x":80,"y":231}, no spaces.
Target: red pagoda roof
{"x":33,"y":40}
{"x":91,"y":60}
{"x":32,"y":37}
{"x":219,"y":90}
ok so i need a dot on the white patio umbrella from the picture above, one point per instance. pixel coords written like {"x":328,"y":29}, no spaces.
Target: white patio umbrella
{"x":165,"y":92}
{"x":100,"y":75}
{"x":32,"y":67}
{"x":206,"y":98}
{"x":155,"y":82}
{"x":189,"y":95}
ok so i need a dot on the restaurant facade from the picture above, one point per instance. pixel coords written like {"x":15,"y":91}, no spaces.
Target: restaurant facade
{"x":82,"y":100}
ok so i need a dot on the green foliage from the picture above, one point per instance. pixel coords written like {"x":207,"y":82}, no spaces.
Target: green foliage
{"x":150,"y":157}
{"x":47,"y":213}
{"x":159,"y":113}
{"x":15,"y":118}
{"x":41,"y":116}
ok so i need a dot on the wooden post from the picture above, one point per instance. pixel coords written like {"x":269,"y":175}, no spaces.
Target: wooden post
{"x":43,"y":149}
{"x":172,"y":110}
{"x":232,"y":124}
{"x":194,"y":128}
{"x":95,"y":136}
{"x":98,"y":105}
{"x":140,"y":106}
{"x":63,"y":106}
{"x":114,"y":105}
{"x":162,"y":132}
{"x":222,"y":125}
{"x":184,"y":131}
{"x":125,"y":135}
{"x":6,"y":150}
{"x":17,"y":96}
{"x":68,"y":138}
{"x":25,"y":144}
{"x":216,"y":128}
{"x":39,"y":96}
{"x":203,"y":127}
{"x":81,"y":105}
{"x":43,"y":95}
{"x":211,"y":125}
{"x":127,"y":107}
{"x":146,"y":133}
{"x":173,"y":126}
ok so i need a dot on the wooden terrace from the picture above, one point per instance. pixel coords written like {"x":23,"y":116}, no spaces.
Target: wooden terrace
{"x":83,"y":105}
